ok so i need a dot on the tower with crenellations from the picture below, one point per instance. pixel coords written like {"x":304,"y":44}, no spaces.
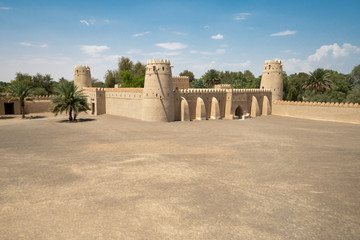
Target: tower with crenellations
{"x":158,"y":95}
{"x":82,"y":77}
{"x":272,"y":78}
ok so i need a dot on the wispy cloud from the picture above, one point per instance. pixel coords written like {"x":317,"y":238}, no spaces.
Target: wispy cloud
{"x":28,"y":44}
{"x":87,"y":22}
{"x":171,"y":46}
{"x":134,"y":51}
{"x":284,"y":33}
{"x":181,"y":33}
{"x":334,"y":51}
{"x":140,"y":34}
{"x":217,"y":37}
{"x":242,"y":16}
{"x":93,"y":50}
{"x":5,"y":8}
{"x":207,"y":53}
{"x":206,"y":26}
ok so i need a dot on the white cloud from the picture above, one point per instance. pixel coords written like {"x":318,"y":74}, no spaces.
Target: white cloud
{"x":171,"y":46}
{"x":242,"y":16}
{"x":85,"y":22}
{"x":334,"y":51}
{"x":5,"y":8}
{"x":340,"y":58}
{"x":284,"y":33}
{"x":140,"y":34}
{"x":217,"y":37}
{"x":93,"y":50}
{"x":28,"y":44}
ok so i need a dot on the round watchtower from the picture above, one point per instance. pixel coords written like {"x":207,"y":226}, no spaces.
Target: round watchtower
{"x":158,"y":96}
{"x":272,"y":78}
{"x":82,"y":76}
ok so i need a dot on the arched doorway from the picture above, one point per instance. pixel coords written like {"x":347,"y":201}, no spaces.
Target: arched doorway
{"x":200,"y":109}
{"x":266,"y":109}
{"x":185,"y":113}
{"x":215,"y":109}
{"x":255,"y":109}
{"x":238,"y":112}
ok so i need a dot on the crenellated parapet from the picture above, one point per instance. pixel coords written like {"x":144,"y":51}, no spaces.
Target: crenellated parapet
{"x":82,"y":76}
{"x":323,"y":104}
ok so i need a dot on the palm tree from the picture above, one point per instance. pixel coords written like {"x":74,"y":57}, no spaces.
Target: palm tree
{"x":318,"y":81}
{"x":20,"y":91}
{"x":211,"y":78}
{"x":69,"y":99}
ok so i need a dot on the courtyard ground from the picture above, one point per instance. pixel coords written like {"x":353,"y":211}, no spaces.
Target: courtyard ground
{"x":109,"y":177}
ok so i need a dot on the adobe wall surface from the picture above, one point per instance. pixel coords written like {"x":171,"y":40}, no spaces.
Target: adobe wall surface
{"x":124,"y":102}
{"x":37,"y":106}
{"x":16,"y":106}
{"x":347,"y":113}
{"x":180,"y":82}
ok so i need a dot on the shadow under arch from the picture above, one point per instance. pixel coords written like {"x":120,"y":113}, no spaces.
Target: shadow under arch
{"x":238,"y":112}
{"x":200,"y":109}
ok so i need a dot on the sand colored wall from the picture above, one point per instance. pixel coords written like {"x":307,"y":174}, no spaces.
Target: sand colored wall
{"x":82,"y":77}
{"x":37,"y":106}
{"x":126,"y":102}
{"x":16,"y":106}
{"x":347,"y":113}
{"x":181,"y":82}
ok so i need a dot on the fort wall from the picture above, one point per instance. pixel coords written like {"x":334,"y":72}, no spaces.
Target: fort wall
{"x":272,"y":78}
{"x":38,"y":106}
{"x":347,"y":113}
{"x":181,"y":82}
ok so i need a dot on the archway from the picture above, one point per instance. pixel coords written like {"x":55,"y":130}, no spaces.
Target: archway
{"x":238,"y":112}
{"x":200,"y":109}
{"x":184,"y":108}
{"x":255,"y":109}
{"x":215,"y":109}
{"x":266,"y":108}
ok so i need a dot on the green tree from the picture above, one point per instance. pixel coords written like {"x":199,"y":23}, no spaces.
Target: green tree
{"x":293,"y":86}
{"x":187,"y":73}
{"x":355,"y":74}
{"x":3,"y":86}
{"x":20,"y":91}
{"x":112,"y":77}
{"x":96,"y":83}
{"x":125,"y":64}
{"x":198,"y":83}
{"x":68,"y":98}
{"x":42,"y":84}
{"x":354,"y":95}
{"x":211,"y":78}
{"x":139,"y":70}
{"x":318,"y":81}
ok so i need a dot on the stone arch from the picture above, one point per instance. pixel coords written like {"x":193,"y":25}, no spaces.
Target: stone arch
{"x":266,"y":108}
{"x":184,"y":108}
{"x":215,"y":109}
{"x":255,"y":109}
{"x":200,"y":109}
{"x":238,"y":112}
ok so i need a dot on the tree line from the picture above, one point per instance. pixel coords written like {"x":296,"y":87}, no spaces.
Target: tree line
{"x":321,"y":85}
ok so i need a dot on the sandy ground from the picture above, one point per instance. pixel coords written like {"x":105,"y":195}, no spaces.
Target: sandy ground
{"x":108,"y":177}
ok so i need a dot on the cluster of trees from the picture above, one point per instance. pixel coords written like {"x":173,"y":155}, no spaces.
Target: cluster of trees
{"x":128,"y":74}
{"x":323,"y":86}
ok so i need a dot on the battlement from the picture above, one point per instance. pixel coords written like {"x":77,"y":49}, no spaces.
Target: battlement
{"x":181,"y":77}
{"x":252,"y":90}
{"x":201,"y":90}
{"x":82,"y":69}
{"x":324,"y":104}
{"x":273,"y":62}
{"x":162,"y":61}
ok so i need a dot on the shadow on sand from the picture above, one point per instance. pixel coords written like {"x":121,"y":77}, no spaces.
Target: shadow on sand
{"x":78,"y":120}
{"x":6,"y":117}
{"x":34,"y":117}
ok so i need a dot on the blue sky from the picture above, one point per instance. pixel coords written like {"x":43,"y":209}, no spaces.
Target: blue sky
{"x":51,"y":37}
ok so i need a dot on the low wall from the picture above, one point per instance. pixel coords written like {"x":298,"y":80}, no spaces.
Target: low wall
{"x":37,"y":106}
{"x":124,"y":102}
{"x":347,"y":113}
